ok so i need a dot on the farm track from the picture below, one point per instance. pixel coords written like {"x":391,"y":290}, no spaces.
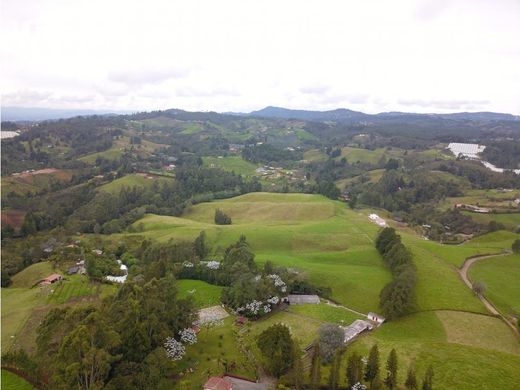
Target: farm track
{"x":344,"y":307}
{"x":463,"y":272}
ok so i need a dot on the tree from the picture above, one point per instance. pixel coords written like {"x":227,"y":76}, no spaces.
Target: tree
{"x":392,"y":164}
{"x":478,"y":288}
{"x":411,"y":379}
{"x":201,"y":248}
{"x":516,"y":246}
{"x":428,"y":379}
{"x":316,"y":368}
{"x":391,"y":367}
{"x":331,"y":339}
{"x":221,"y":218}
{"x":354,"y":369}
{"x":334,"y":371}
{"x":277,"y":347}
{"x":297,"y":370}
{"x":372,"y":368}
{"x":86,"y":354}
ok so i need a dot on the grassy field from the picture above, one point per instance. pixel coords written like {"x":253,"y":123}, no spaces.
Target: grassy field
{"x":12,"y":381}
{"x":204,"y":294}
{"x":332,"y":244}
{"x":318,"y":236}
{"x":458,"y":360}
{"x":231,"y":163}
{"x":501,"y":276}
{"x":31,"y":275}
{"x":137,"y":180}
{"x":324,"y":313}
{"x":353,"y":155}
{"x":206,"y":358}
{"x":510,"y":221}
{"x":34,"y":182}
{"x":24,"y":306}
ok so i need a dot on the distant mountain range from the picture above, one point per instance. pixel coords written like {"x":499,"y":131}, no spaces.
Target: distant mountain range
{"x":343,"y":114}
{"x":18,"y":114}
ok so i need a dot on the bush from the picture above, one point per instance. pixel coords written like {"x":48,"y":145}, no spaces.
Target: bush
{"x":221,"y":218}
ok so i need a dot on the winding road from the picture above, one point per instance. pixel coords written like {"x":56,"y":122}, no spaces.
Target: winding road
{"x":463,"y":272}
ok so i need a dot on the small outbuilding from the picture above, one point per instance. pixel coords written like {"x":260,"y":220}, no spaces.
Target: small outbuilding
{"x":295,"y":299}
{"x":217,"y":383}
{"x":376,"y":318}
{"x":51,"y":279}
{"x":73,"y":270}
{"x":355,"y":329}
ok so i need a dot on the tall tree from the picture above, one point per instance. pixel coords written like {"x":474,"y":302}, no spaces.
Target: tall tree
{"x":277,"y":347}
{"x":354,"y":369}
{"x":201,"y":248}
{"x":391,"y":367}
{"x":297,"y":370}
{"x":334,"y":371}
{"x":372,"y":368}
{"x":411,"y":379}
{"x":316,"y":368}
{"x":428,"y":379}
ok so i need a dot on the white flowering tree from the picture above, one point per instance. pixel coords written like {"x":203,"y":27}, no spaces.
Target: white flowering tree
{"x":175,"y":350}
{"x":359,"y":386}
{"x":188,"y":336}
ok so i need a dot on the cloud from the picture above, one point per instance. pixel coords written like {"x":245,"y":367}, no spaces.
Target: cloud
{"x":142,"y":76}
{"x":314,"y":89}
{"x":454,"y":104}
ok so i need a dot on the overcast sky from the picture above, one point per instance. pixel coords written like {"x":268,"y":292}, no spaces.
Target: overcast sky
{"x":373,"y":56}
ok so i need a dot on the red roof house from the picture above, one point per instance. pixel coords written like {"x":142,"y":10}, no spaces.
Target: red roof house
{"x":216,"y":383}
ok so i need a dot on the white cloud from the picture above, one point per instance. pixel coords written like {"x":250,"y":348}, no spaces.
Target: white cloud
{"x":233,"y":55}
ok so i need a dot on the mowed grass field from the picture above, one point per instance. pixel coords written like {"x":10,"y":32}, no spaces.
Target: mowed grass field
{"x":232,"y":164}
{"x":12,"y":381}
{"x":501,"y":276}
{"x":204,"y":294}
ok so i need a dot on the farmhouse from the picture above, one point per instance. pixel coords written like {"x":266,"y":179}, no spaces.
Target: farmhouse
{"x":377,"y":219}
{"x":51,"y":279}
{"x":217,"y":383}
{"x":376,"y":318}
{"x":355,"y":329}
{"x":301,"y":299}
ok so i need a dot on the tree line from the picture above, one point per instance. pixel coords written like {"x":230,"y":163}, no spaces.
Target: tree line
{"x":398,"y":297}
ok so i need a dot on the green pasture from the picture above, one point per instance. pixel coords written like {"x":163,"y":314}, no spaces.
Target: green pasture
{"x":325,"y":313}
{"x":231,"y":163}
{"x":510,"y":221}
{"x":353,"y":155}
{"x":501,"y":276}
{"x":459,"y":361}
{"x":203,"y":294}
{"x":12,"y":381}
{"x":133,"y":180}
{"x":215,"y":346}
{"x":332,"y":244}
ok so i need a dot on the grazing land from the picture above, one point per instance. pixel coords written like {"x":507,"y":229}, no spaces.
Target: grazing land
{"x":501,"y":276}
{"x":12,"y":381}
{"x":204,"y":294}
{"x":231,"y":163}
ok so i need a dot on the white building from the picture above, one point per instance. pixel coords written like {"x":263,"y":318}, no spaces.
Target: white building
{"x":376,"y":318}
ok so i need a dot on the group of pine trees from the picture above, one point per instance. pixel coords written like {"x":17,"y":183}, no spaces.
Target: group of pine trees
{"x":366,"y":374}
{"x":398,"y":297}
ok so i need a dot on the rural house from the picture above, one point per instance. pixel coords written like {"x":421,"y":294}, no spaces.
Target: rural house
{"x":376,"y":318}
{"x":217,"y":383}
